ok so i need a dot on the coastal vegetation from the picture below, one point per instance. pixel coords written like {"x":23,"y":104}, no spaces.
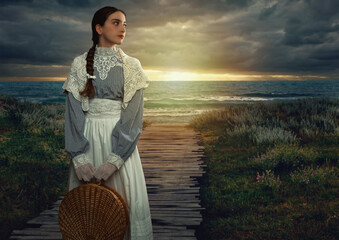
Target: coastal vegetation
{"x":272,"y":170}
{"x":33,"y":164}
{"x":272,"y":167}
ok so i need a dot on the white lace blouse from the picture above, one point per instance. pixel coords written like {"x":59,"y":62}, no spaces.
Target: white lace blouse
{"x":108,"y":84}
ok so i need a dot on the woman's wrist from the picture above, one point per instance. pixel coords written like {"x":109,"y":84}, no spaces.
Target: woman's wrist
{"x":116,"y":160}
{"x":80,"y":160}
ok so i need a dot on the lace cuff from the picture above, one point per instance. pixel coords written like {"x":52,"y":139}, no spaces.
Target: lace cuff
{"x":80,"y":160}
{"x":115,"y":160}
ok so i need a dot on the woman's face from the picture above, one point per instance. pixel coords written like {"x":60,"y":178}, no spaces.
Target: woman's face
{"x":113,"y":31}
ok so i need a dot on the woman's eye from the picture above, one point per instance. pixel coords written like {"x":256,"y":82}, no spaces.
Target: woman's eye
{"x":118,"y":24}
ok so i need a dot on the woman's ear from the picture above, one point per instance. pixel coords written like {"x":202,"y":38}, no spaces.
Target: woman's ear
{"x":98,"y":28}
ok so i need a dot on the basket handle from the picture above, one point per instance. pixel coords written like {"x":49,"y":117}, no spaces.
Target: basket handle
{"x":100,"y":182}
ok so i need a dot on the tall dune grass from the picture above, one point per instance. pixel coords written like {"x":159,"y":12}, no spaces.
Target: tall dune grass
{"x":266,"y":122}
{"x":33,"y":115}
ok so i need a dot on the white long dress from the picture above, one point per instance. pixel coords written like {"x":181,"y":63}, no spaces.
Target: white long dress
{"x":106,"y":132}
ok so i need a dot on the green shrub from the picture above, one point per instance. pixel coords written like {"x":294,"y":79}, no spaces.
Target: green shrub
{"x":284,"y":157}
{"x":268,"y":179}
{"x":310,"y":175}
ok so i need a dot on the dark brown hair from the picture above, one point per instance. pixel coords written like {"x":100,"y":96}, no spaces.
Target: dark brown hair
{"x":99,"y":17}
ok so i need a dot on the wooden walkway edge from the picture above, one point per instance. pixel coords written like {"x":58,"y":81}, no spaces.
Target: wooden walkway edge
{"x":172,"y":163}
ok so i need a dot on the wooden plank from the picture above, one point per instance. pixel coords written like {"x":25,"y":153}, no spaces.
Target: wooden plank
{"x":171,"y":159}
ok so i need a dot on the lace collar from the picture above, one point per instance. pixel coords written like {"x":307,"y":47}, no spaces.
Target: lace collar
{"x":106,"y":51}
{"x":134,"y":78}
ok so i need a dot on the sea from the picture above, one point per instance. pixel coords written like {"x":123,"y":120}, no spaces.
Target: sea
{"x":179,"y":101}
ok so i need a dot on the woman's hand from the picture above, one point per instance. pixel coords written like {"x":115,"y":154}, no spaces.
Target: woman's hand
{"x":104,"y":171}
{"x":85,"y":172}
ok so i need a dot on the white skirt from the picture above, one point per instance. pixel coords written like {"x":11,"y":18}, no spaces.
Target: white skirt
{"x":129,"y":180}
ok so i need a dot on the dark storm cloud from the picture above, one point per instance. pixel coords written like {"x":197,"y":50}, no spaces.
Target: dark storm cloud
{"x":42,"y":42}
{"x":76,"y":3}
{"x":232,"y":36}
{"x":308,"y":41}
{"x":14,"y":2}
{"x":305,"y":31}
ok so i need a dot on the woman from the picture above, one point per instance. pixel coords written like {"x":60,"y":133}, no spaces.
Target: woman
{"x":103,"y":120}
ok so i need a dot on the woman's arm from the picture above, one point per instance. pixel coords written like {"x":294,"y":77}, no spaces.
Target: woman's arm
{"x":127,"y":130}
{"x":75,"y":142}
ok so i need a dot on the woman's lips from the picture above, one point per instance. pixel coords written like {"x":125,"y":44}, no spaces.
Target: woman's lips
{"x":121,"y":36}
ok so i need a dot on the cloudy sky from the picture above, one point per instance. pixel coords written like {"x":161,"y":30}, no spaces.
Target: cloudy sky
{"x":178,"y":40}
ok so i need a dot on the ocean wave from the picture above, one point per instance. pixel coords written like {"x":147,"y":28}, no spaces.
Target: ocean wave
{"x":217,"y":99}
{"x":172,"y":112}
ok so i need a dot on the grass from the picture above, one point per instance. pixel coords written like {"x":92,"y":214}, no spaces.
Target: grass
{"x":33,"y":163}
{"x":272,"y":170}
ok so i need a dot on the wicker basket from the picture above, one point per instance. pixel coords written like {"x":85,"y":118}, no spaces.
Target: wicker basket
{"x":93,"y":211}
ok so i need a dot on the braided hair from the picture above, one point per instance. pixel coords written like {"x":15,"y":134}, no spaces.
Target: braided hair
{"x":99,"y":17}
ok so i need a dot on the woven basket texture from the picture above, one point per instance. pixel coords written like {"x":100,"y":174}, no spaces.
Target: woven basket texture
{"x":93,"y":211}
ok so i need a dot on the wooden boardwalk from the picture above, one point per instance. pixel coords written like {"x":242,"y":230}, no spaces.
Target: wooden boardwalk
{"x":172,"y":163}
